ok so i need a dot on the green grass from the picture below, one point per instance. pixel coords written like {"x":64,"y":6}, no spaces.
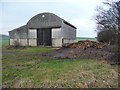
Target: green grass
{"x":36,"y":49}
{"x":26,"y":68}
{"x":4,"y":40}
{"x":85,"y":38}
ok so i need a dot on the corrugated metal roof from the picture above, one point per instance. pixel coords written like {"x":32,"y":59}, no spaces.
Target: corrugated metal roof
{"x":20,"y":28}
{"x":44,"y":20}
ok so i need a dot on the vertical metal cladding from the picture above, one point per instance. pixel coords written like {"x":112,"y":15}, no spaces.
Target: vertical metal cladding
{"x":68,"y":33}
{"x":18,"y":36}
{"x":44,"y":29}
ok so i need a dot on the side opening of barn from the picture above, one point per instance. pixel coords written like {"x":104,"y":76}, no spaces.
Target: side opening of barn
{"x":44,"y":29}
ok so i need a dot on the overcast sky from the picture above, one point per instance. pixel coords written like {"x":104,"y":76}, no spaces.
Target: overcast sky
{"x":80,"y":13}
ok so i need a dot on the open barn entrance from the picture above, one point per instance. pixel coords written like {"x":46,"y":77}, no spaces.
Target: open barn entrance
{"x":44,"y":36}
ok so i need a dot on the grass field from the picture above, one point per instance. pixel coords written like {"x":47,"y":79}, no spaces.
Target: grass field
{"x":27,"y":68}
{"x":85,"y":38}
{"x":4,"y":40}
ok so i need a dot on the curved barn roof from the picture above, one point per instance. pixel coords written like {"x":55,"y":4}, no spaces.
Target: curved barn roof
{"x":44,"y":20}
{"x":20,"y":29}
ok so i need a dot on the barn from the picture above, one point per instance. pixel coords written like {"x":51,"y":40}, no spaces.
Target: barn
{"x":45,"y":29}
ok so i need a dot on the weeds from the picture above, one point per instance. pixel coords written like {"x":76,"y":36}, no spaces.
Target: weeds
{"x":27,"y":68}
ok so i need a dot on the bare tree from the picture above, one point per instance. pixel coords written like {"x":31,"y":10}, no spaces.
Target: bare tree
{"x":108,"y":23}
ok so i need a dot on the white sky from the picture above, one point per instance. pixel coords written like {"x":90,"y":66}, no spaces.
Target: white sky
{"x":80,"y":13}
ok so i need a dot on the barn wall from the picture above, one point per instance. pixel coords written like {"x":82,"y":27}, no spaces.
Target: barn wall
{"x":20,"y":32}
{"x":32,"y":37}
{"x":18,"y":36}
{"x":32,"y":42}
{"x":57,"y":42}
{"x":68,"y":41}
{"x":56,"y":33}
{"x":56,"y":37}
{"x":68,"y":33}
{"x":20,"y":42}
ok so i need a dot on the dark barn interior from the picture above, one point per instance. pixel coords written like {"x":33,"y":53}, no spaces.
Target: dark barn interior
{"x":44,"y":36}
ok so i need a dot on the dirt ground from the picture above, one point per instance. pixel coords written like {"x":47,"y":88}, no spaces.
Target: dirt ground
{"x":106,"y":53}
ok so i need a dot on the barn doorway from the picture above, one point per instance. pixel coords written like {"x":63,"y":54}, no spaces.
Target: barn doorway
{"x":44,"y":36}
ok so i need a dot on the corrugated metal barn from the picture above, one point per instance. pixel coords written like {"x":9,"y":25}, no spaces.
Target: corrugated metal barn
{"x":44,"y":29}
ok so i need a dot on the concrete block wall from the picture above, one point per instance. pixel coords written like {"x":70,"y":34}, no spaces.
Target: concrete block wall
{"x":21,"y":42}
{"x":32,"y":37}
{"x":68,"y":41}
{"x":32,"y":42}
{"x":56,"y":37}
{"x":56,"y":42}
